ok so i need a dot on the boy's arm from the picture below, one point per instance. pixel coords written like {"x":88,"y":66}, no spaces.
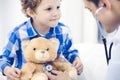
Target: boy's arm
{"x":4,"y":61}
{"x":7,"y":57}
{"x":70,"y":52}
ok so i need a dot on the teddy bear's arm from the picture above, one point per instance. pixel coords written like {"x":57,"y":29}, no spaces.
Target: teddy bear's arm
{"x":27,"y":71}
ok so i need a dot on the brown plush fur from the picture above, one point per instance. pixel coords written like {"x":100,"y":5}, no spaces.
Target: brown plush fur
{"x":39,"y":51}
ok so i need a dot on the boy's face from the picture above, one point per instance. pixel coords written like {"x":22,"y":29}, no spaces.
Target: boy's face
{"x":47,"y":13}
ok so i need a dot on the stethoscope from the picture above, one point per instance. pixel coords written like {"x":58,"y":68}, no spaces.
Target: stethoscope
{"x":103,"y":36}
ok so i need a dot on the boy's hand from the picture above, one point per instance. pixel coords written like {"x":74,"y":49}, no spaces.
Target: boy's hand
{"x":12,"y":73}
{"x":78,"y":65}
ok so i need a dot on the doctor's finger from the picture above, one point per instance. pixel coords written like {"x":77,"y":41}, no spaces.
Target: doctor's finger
{"x":51,"y":76}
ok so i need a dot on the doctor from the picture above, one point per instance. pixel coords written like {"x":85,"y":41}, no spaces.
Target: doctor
{"x":107,"y":15}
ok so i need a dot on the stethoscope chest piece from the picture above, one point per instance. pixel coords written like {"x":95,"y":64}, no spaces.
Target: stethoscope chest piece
{"x":47,"y":67}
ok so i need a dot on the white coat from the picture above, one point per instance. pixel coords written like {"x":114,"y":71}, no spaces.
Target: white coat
{"x":113,"y":72}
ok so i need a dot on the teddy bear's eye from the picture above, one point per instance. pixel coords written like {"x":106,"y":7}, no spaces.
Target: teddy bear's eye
{"x":34,"y":49}
{"x":47,"y":49}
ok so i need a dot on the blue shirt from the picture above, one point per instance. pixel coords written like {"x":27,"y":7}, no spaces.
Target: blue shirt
{"x":12,"y":52}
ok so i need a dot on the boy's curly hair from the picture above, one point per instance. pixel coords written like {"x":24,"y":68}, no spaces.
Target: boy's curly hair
{"x":32,"y":4}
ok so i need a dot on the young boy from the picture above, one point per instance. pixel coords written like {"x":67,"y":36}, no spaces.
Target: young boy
{"x":108,"y":13}
{"x":44,"y":22}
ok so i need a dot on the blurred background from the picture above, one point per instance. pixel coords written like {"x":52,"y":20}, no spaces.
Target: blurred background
{"x":83,"y":28}
{"x":79,"y":19}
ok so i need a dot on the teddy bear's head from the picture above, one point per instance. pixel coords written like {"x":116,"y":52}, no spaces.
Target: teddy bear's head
{"x":40,"y":50}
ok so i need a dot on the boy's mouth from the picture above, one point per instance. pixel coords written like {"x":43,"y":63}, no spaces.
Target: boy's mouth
{"x":54,"y":19}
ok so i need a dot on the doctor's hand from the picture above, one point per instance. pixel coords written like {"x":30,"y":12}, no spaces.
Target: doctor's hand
{"x":78,"y":65}
{"x":12,"y":73}
{"x":59,"y":75}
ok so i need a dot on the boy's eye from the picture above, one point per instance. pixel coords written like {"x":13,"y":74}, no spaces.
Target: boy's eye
{"x":49,"y":9}
{"x":58,"y":7}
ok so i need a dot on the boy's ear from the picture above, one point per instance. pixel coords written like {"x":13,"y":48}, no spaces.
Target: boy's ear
{"x":105,"y":3}
{"x":29,"y":12}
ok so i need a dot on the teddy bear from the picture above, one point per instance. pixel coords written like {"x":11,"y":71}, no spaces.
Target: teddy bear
{"x":41,"y":55}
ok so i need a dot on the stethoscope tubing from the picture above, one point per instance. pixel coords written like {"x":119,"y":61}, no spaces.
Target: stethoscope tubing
{"x":102,"y":32}
{"x":107,"y":54}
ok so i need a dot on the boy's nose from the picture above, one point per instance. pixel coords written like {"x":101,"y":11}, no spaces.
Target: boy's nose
{"x":55,"y":13}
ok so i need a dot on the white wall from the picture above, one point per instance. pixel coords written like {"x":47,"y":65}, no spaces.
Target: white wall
{"x":72,"y":11}
{"x":90,"y":29}
{"x":10,"y":16}
{"x":79,"y":20}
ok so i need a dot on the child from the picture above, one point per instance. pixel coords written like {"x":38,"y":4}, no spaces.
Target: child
{"x":108,"y":13}
{"x":44,"y":16}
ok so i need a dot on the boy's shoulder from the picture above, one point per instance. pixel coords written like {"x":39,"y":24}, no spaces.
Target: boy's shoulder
{"x":20,"y":26}
{"x":63,"y":27}
{"x":61,"y":24}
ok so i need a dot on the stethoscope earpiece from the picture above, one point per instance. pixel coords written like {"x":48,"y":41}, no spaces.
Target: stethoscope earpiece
{"x":98,"y":10}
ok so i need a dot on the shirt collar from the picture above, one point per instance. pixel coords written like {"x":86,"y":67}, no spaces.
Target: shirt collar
{"x":52,"y":33}
{"x":30,"y":29}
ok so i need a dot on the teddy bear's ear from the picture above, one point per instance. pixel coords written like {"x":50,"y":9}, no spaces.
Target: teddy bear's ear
{"x":55,"y":42}
{"x":25,"y":44}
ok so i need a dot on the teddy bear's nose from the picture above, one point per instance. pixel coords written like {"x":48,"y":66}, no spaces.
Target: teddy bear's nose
{"x":43,"y":52}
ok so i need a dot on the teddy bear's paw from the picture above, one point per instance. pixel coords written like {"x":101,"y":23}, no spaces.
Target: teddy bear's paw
{"x":40,"y":76}
{"x":73,"y":74}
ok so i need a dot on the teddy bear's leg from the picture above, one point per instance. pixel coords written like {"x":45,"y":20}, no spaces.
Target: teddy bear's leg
{"x":66,"y":67}
{"x":39,"y":76}
{"x":26,"y":76}
{"x":73,"y":73}
{"x":27,"y":71}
